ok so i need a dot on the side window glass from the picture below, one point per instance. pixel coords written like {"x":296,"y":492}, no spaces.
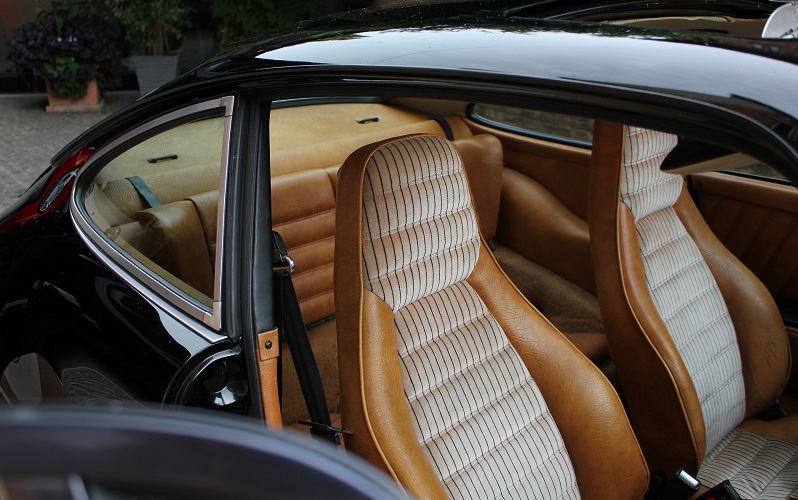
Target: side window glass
{"x":574,"y":130}
{"x":736,"y":163}
{"x":759,"y":169}
{"x":158,"y":201}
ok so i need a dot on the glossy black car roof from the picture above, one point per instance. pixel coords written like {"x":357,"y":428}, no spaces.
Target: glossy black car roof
{"x":501,"y":44}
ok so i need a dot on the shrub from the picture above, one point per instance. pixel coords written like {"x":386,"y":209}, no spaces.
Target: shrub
{"x":67,"y":47}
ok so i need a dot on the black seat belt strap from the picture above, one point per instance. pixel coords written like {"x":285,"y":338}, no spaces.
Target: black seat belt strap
{"x":144,"y":191}
{"x":292,"y":330}
{"x":447,"y":128}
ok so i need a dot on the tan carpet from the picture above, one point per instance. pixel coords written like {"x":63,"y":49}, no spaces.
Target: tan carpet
{"x":569,"y":307}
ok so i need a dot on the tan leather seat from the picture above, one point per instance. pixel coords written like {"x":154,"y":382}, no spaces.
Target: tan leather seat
{"x":450,"y":380}
{"x":698,"y":343}
{"x":303,"y":212}
{"x":307,"y":225}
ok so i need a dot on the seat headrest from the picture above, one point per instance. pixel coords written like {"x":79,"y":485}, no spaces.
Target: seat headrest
{"x":646,"y":189}
{"x":419,"y":227}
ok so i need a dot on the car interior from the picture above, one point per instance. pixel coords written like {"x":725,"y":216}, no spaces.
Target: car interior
{"x":538,"y":185}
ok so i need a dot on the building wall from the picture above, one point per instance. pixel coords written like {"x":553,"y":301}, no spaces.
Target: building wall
{"x":12,"y":14}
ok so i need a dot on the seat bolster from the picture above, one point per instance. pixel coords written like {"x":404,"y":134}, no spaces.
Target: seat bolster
{"x":207,"y":206}
{"x":591,"y":344}
{"x":483,"y":163}
{"x":783,"y":429}
{"x":761,"y":335}
{"x":332,"y":174}
{"x":375,"y":407}
{"x":385,"y":406}
{"x":571,"y":394}
{"x":655,"y":374}
{"x":380,"y":417}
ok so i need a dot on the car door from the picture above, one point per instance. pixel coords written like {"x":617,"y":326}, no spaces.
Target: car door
{"x":756,"y":217}
{"x":120,"y":299}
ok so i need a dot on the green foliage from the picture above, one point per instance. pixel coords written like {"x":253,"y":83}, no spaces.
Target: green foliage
{"x":240,"y":19}
{"x":64,"y":11}
{"x":65,"y":71}
{"x":150,"y":25}
{"x":70,"y":43}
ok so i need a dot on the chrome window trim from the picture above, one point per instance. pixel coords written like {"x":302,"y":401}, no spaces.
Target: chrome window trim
{"x":155,"y":287}
{"x":216,"y":314}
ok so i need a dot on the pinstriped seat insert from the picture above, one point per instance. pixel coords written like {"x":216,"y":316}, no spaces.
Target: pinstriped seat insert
{"x":758,"y":467}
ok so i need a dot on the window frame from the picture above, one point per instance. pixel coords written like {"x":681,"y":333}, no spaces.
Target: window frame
{"x":132,"y":271}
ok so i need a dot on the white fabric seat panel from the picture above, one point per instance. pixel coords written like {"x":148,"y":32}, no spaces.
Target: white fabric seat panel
{"x":439,"y":324}
{"x":423,"y":235}
{"x":478,"y":414}
{"x":482,"y":417}
{"x":758,"y":467}
{"x":406,"y":254}
{"x":644,"y":188}
{"x":687,"y":298}
{"x":682,"y":287}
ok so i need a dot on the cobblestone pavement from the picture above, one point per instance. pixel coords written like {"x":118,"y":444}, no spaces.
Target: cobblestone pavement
{"x":29,"y":137}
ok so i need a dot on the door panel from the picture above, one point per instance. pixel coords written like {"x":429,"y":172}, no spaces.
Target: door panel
{"x":561,"y":169}
{"x":758,"y":222}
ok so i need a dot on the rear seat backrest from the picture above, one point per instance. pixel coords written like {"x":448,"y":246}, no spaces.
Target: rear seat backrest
{"x":175,"y":234}
{"x":168,"y":186}
{"x":207,"y":207}
{"x":326,"y":154}
{"x":303,"y":212}
{"x":483,"y":160}
{"x":172,"y":236}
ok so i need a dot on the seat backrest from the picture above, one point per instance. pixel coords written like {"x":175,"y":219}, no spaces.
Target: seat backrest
{"x":173,"y":236}
{"x":446,"y":370}
{"x":167,"y":186}
{"x":673,"y":302}
{"x":303,"y":212}
{"x":483,"y":161}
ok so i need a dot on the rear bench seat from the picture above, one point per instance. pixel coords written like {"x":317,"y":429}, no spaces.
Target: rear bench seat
{"x":180,"y":237}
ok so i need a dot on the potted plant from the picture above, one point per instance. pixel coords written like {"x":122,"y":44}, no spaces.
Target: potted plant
{"x":151,"y":28}
{"x":71,"y":47}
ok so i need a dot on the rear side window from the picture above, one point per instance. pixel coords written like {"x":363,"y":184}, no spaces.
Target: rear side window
{"x":155,"y":203}
{"x":759,"y":170}
{"x":573,"y":130}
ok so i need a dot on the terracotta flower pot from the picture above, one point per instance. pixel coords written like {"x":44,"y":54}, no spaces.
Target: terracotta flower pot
{"x":88,"y":103}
